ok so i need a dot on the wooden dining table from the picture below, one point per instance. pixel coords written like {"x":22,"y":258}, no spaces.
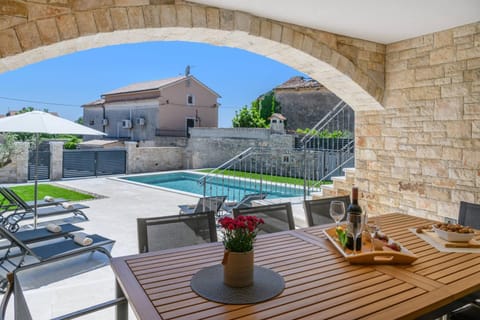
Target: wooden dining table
{"x":319,"y":282}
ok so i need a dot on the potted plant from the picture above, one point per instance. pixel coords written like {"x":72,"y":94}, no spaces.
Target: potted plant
{"x":238,"y":237}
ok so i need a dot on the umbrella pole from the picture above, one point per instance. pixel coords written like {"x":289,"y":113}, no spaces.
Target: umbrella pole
{"x":35,"y":189}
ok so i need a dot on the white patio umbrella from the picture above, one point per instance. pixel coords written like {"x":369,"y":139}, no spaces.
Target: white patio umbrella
{"x":42,"y":122}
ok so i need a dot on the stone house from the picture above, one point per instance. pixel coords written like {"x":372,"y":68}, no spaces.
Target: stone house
{"x":143,"y":111}
{"x":304,"y":102}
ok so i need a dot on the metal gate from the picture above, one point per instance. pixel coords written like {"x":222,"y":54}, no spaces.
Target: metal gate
{"x":93,"y":162}
{"x":43,"y":164}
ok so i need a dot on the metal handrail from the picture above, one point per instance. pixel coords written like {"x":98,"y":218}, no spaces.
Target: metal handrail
{"x":324,"y":121}
{"x":225,"y":164}
{"x":332,"y":172}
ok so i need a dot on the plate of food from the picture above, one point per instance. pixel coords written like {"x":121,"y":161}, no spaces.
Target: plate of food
{"x":453,"y":232}
{"x":383,"y":250}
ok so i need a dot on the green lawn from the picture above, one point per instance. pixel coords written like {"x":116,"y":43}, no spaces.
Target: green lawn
{"x":266,"y":177}
{"x":26,"y":193}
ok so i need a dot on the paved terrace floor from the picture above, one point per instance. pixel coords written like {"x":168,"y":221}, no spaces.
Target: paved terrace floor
{"x":113,"y":216}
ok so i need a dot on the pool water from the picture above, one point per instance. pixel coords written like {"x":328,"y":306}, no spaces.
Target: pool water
{"x":234,"y":189}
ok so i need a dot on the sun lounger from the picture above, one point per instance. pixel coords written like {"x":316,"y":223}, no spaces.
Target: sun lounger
{"x":203,"y":205}
{"x":11,"y":221}
{"x":246,"y":202}
{"x":38,"y":235}
{"x":9,"y":204}
{"x":42,"y":234}
{"x":40,"y":202}
{"x":49,"y":251}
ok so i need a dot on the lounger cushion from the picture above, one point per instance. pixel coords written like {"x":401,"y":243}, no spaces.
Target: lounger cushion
{"x":68,"y":246}
{"x":51,"y":211}
{"x":42,"y":234}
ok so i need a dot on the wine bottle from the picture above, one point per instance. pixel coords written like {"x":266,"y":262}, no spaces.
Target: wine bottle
{"x":354,"y":220}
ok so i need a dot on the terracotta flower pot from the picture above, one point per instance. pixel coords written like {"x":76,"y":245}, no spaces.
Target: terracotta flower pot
{"x":238,"y":268}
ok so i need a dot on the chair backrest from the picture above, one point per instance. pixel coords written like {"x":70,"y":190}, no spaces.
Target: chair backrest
{"x":246,"y":202}
{"x":16,"y":198}
{"x":7,"y":196}
{"x":210,"y":204}
{"x":277,"y":217}
{"x":13,"y":239}
{"x":317,"y":211}
{"x":469,"y":214}
{"x":176,"y":231}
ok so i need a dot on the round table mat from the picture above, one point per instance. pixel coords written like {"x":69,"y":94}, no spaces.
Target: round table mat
{"x":208,"y":283}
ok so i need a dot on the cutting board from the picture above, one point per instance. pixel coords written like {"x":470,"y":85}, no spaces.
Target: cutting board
{"x":473,"y":243}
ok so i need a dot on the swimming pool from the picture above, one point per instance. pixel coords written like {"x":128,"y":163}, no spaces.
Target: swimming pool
{"x":233,"y":188}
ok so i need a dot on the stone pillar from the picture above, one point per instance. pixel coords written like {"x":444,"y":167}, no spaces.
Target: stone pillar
{"x":21,"y":161}
{"x":131,"y":147}
{"x":56,"y":160}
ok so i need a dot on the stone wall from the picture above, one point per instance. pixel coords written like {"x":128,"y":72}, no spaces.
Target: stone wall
{"x":237,"y":133}
{"x":304,"y":108}
{"x":210,"y":151}
{"x":150,"y":159}
{"x":422,"y":154}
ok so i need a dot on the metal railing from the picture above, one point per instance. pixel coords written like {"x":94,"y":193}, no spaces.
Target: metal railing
{"x":324,"y":152}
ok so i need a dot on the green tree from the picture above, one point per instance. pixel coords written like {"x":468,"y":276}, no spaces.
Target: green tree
{"x":79,"y":120}
{"x":7,"y":148}
{"x":257,"y":115}
{"x":72,"y":143}
{"x":267,"y":105}
{"x":248,"y":118}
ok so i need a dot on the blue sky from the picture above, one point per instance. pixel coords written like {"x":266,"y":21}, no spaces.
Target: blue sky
{"x":237,"y":75}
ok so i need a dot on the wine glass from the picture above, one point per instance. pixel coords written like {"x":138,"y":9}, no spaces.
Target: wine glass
{"x":372,"y":224}
{"x":356,"y":224}
{"x":337,"y":211}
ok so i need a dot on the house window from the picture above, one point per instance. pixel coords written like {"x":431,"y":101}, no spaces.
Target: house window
{"x":190,"y":99}
{"x":92,"y":122}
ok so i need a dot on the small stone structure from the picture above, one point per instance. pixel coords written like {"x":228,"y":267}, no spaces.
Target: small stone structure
{"x":277,"y":123}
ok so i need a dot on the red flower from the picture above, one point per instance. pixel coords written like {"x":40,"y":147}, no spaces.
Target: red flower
{"x":239,"y":233}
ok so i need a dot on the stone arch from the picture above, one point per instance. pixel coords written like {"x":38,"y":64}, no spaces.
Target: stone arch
{"x":30,"y":32}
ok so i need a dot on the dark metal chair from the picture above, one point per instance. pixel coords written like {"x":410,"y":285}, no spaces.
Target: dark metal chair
{"x":317,"y":211}
{"x":176,"y":231}
{"x":277,"y":217}
{"x":469,"y":214}
{"x":21,"y":311}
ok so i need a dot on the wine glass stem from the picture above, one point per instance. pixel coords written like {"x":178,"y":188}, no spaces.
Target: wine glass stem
{"x":354,"y":245}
